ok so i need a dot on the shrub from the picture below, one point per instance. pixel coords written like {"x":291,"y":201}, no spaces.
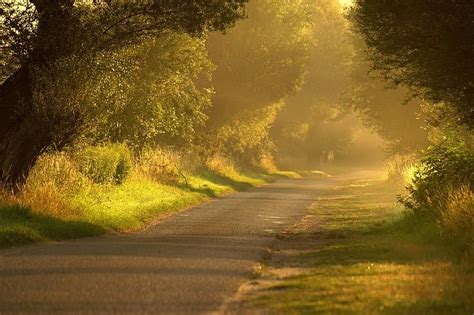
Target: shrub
{"x":56,"y":169}
{"x":246,"y":137}
{"x":106,"y":164}
{"x":221,"y":165}
{"x":442,"y":190}
{"x":160,"y":164}
{"x":443,"y":169}
{"x":267,"y":164}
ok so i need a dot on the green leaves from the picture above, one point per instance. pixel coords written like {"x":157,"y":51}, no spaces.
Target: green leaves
{"x":155,"y":92}
{"x":424,"y":45}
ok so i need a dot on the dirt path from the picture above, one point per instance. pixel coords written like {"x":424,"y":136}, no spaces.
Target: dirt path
{"x":190,"y":263}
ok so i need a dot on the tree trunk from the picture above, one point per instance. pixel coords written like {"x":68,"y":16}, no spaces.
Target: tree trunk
{"x":21,"y":140}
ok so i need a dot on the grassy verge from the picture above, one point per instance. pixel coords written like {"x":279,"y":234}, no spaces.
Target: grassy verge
{"x":358,"y":252}
{"x":103,"y":209}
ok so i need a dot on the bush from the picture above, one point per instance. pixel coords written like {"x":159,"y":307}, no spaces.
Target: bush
{"x":56,"y":169}
{"x":442,"y":190}
{"x":161,"y":165}
{"x":267,"y":164}
{"x":222,"y":165}
{"x":106,"y":164}
{"x":443,"y":169}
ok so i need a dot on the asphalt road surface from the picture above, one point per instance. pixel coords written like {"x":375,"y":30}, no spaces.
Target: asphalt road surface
{"x":191,"y":262}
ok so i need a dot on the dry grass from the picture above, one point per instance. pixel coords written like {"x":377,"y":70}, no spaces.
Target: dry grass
{"x":221,"y":165}
{"x":401,"y":169}
{"x":457,"y":218}
{"x":62,"y":199}
{"x":53,"y":179}
{"x":159,"y":164}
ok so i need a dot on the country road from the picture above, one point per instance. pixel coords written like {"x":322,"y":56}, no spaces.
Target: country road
{"x":191,"y":262}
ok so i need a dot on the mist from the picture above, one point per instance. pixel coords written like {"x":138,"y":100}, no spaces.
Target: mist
{"x":242,"y":156}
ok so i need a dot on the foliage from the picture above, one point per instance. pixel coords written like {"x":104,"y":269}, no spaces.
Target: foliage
{"x":161,"y":165}
{"x":15,"y":31}
{"x":221,"y":165}
{"x":443,"y":184}
{"x":263,"y":58}
{"x":388,"y":111}
{"x":152,"y":93}
{"x":105,"y":164}
{"x":59,"y":202}
{"x":424,"y":45}
{"x":457,"y":217}
{"x":446,"y":165}
{"x":401,"y":169}
{"x":305,"y":123}
{"x":64,"y":28}
{"x":443,"y":168}
{"x":259,"y":62}
{"x":247,"y":137}
{"x":41,"y":36}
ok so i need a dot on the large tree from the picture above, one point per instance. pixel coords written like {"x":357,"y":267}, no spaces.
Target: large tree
{"x":425,"y":45}
{"x":40,"y":37}
{"x":391,"y":113}
{"x":307,"y":127}
{"x":259,"y":62}
{"x":263,"y":58}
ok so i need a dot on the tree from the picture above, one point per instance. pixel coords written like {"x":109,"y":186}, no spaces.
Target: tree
{"x":259,"y":62}
{"x":154,"y":93}
{"x":389,"y":112}
{"x":263,"y":58}
{"x":424,"y":45}
{"x":42,"y":34}
{"x":307,"y":126}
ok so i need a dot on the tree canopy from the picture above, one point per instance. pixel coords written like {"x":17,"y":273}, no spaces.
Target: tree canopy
{"x":424,"y":45}
{"x":47,"y":44}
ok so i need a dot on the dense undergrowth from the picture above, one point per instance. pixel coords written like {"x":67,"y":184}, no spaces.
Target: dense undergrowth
{"x":440,"y":183}
{"x":101,"y":189}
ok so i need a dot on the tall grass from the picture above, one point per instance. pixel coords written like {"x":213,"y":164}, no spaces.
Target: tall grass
{"x":161,"y":165}
{"x":104,"y":164}
{"x":221,"y":165}
{"x":401,"y":169}
{"x":104,"y":188}
{"x":457,"y":217}
{"x":52,"y":181}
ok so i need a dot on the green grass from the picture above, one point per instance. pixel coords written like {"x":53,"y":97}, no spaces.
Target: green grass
{"x":19,"y":225}
{"x":360,"y":253}
{"x":102,"y":209}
